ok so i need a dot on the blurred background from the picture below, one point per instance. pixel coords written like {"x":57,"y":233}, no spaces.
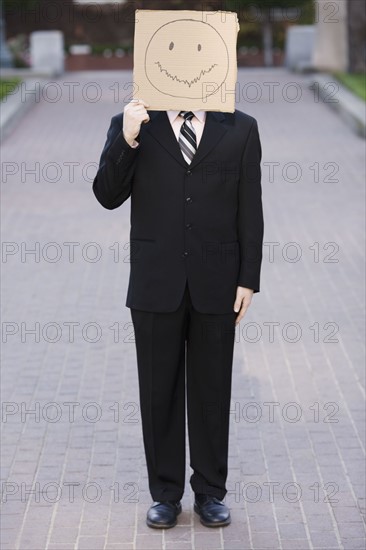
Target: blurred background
{"x":299,"y":34}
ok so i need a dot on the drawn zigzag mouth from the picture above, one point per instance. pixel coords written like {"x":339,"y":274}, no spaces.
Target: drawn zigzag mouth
{"x":183,"y":80}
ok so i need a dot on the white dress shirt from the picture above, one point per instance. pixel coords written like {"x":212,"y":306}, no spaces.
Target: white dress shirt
{"x":176,"y":121}
{"x":198,"y":122}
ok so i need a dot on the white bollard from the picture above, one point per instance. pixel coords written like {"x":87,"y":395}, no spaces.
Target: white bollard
{"x":47,"y":51}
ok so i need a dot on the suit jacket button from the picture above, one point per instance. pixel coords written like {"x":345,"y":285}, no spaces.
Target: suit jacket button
{"x":189,"y":199}
{"x":189,"y":172}
{"x":188,"y":226}
{"x":185,"y":254}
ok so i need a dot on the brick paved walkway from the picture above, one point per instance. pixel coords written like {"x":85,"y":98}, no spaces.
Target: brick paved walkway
{"x":73,"y":472}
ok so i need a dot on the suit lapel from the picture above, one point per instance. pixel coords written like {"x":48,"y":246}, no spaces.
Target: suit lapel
{"x":160,"y":128}
{"x":213,"y":131}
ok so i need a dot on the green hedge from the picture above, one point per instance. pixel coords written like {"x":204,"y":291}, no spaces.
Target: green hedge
{"x":355,"y":82}
{"x":7,"y":85}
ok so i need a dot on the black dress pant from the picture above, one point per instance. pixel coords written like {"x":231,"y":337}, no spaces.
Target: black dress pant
{"x":178,"y":350}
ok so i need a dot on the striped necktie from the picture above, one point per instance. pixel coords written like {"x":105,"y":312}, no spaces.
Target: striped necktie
{"x":187,"y":137}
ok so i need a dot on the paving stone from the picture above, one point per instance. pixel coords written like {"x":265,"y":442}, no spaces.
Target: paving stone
{"x":283,"y":473}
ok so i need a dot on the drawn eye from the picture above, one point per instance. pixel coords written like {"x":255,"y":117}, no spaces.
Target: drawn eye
{"x":199,"y":47}
{"x":171,"y":45}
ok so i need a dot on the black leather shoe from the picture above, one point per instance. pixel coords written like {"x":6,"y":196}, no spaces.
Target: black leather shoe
{"x":212,"y":511}
{"x":162,"y":515}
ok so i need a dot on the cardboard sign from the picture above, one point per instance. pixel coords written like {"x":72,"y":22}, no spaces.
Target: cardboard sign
{"x":185,"y":59}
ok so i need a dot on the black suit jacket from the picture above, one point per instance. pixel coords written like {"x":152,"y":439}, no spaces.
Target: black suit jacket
{"x":201,"y":222}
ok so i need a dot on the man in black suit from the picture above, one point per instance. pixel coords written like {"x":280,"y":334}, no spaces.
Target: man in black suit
{"x":194,"y":179}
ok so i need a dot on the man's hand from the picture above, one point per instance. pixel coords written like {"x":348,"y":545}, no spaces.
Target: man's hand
{"x":242,"y":302}
{"x":134,"y":114}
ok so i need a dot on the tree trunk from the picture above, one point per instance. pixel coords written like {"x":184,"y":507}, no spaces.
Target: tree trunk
{"x":267,"y":39}
{"x":356,"y":36}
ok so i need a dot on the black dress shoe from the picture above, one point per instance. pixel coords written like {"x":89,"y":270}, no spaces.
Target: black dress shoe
{"x":162,"y":515}
{"x":212,"y":511}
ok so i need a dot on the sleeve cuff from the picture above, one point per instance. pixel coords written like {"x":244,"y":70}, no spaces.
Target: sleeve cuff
{"x":120,"y":148}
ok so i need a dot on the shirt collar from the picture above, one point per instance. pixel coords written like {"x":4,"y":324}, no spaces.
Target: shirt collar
{"x":201,"y":115}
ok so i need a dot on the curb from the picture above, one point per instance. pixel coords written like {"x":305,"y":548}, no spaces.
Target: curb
{"x":351,"y":108}
{"x":17,"y":104}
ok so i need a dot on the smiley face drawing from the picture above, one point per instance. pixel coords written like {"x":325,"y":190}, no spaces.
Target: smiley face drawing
{"x":187,"y":58}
